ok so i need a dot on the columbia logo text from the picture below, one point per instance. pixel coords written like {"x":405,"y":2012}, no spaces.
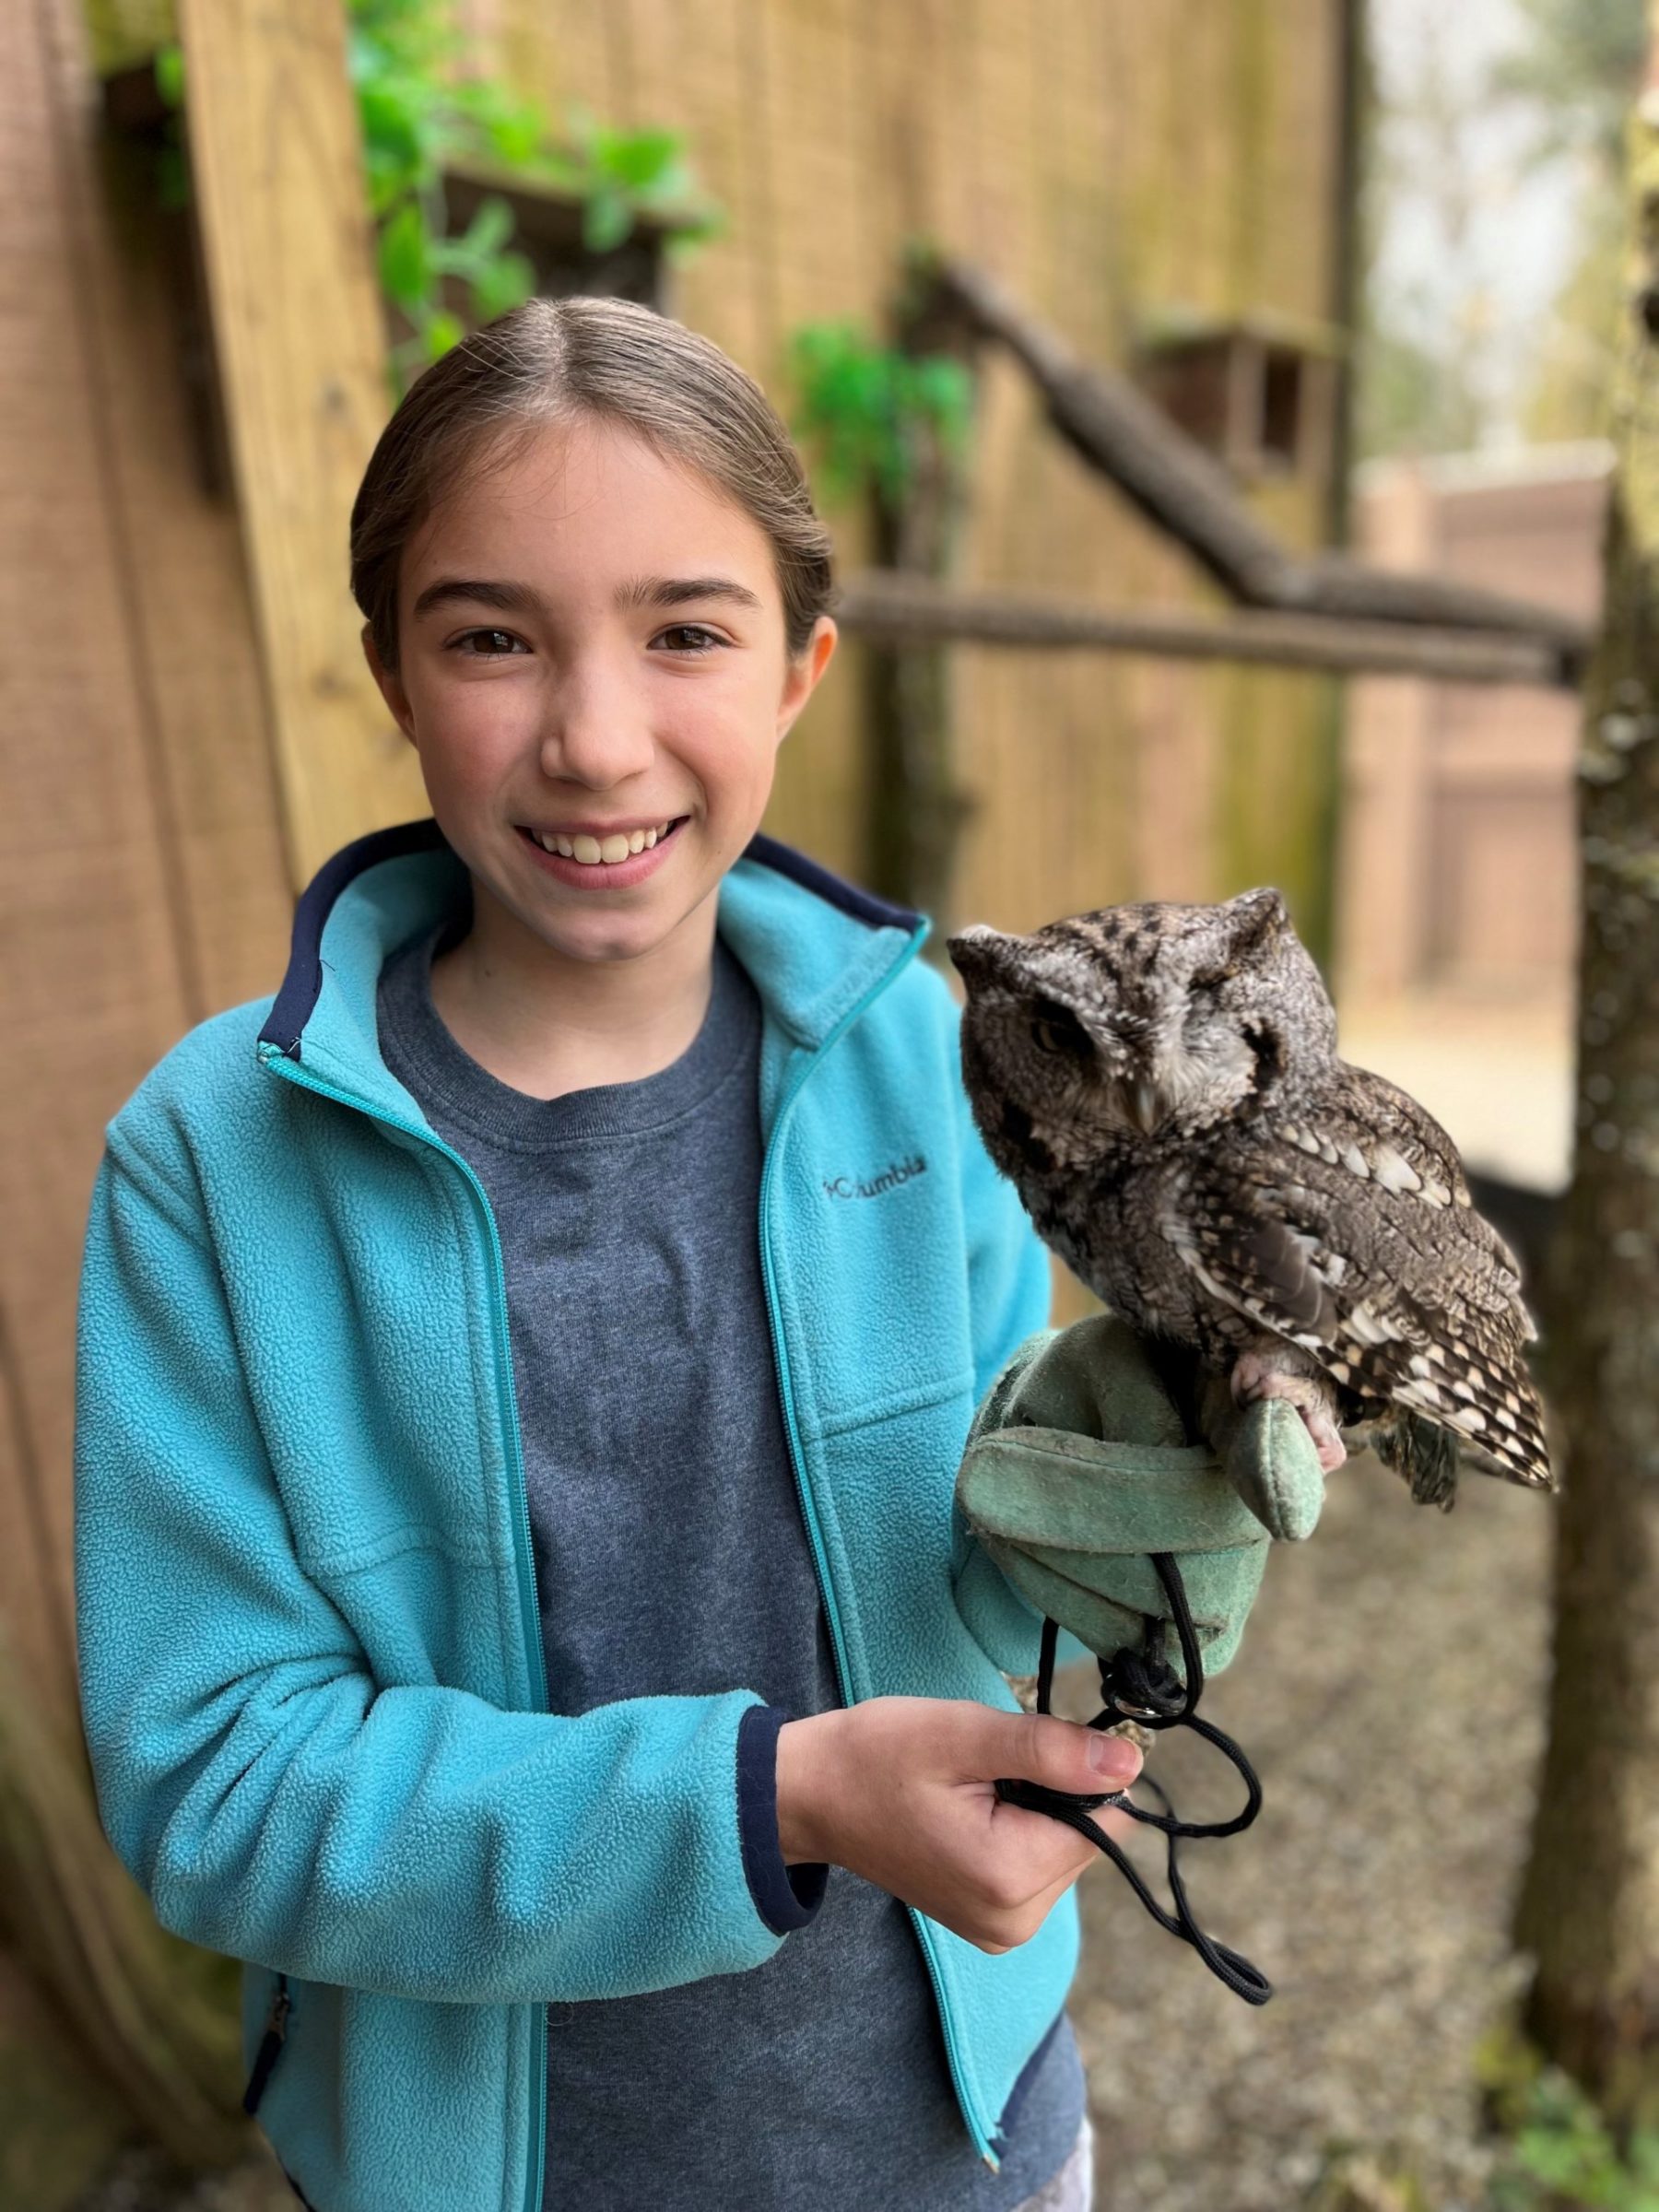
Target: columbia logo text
{"x":876,"y":1186}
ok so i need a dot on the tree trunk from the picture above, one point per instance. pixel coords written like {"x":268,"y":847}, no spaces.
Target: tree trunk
{"x":914,"y":803}
{"x":1589,"y":1911}
{"x":914,"y":806}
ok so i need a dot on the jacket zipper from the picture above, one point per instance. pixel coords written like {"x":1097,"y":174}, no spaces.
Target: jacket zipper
{"x":270,"y":2046}
{"x":274,"y":1057}
{"x":815,"y":1534}
{"x":295,"y":1072}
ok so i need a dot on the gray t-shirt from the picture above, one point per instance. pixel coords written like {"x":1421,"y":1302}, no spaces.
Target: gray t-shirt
{"x":672,"y":1559}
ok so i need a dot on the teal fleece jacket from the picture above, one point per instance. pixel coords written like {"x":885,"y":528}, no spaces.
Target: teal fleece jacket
{"x":310,"y":1661}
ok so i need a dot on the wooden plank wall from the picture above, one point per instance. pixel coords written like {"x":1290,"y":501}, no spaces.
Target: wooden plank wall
{"x":141,"y":867}
{"x":142,"y":879}
{"x":1106,"y":157}
{"x":277,"y":164}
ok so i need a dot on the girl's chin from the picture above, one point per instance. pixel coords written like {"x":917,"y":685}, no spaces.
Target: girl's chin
{"x":620,"y":928}
{"x":611,"y":938}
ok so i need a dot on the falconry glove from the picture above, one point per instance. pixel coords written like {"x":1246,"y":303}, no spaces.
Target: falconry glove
{"x":1081,"y":1467}
{"x":1091,"y":1481}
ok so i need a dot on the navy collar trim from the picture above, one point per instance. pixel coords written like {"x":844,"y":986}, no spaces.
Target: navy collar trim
{"x":303,"y":980}
{"x":863,"y":906}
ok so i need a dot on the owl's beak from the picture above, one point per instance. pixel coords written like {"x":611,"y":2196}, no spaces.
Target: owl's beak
{"x":1146,"y":1106}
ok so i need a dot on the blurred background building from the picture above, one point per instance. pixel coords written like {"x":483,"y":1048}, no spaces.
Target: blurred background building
{"x":1458,"y":853}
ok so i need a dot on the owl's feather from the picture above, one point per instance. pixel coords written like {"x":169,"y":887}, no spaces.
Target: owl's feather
{"x":1403,"y":1301}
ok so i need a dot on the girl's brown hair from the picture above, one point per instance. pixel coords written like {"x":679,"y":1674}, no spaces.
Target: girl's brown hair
{"x":556,"y":360}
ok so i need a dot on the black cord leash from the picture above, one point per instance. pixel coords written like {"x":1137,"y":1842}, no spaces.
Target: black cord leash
{"x":1142,"y":1686}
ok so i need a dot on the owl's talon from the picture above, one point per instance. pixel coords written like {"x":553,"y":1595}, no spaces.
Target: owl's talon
{"x":1326,"y":1438}
{"x":1286,"y":1373}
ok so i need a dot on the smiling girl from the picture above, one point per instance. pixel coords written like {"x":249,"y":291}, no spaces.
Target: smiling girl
{"x":520,"y":1398}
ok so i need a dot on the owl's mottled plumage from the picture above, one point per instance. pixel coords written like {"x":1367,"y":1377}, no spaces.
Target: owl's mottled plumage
{"x":1162,"y":1086}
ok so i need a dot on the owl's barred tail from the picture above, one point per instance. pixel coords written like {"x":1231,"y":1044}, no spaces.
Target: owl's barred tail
{"x":1424,"y":1452}
{"x":1427,"y":1454}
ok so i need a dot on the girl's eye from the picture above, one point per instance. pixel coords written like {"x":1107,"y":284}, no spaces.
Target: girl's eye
{"x":689,"y":637}
{"x":500,"y":645}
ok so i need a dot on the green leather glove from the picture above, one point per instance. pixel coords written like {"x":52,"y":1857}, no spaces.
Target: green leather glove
{"x":1078,"y":1467}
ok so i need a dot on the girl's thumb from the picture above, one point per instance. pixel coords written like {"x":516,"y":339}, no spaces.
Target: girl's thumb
{"x":1062,"y":1755}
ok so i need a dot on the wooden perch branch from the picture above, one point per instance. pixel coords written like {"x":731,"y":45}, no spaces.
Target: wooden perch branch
{"x":1187,"y":494}
{"x":891,"y":607}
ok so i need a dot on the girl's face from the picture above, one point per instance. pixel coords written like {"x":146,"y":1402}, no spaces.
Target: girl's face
{"x":593,"y":670}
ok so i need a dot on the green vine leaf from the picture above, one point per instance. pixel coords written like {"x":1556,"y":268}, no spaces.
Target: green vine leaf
{"x":406,"y":266}
{"x":645,"y":161}
{"x":422,"y":116}
{"x":868,"y":410}
{"x":442,"y":331}
{"x":1560,"y":2150}
{"x":607,"y":220}
{"x":489,"y":229}
{"x":507,"y":283}
{"x":169,"y":73}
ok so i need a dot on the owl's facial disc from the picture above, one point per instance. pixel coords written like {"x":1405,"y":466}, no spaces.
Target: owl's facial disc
{"x":1192,"y":1060}
{"x":1202,"y":1066}
{"x":1139,"y":1025}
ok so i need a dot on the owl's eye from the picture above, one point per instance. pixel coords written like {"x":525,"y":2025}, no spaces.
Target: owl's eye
{"x":1056,"y":1029}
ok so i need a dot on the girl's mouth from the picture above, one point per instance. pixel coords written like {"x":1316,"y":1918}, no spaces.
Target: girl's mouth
{"x":592,"y":863}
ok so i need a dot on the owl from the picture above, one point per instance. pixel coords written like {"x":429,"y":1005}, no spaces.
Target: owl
{"x":1161,"y":1085}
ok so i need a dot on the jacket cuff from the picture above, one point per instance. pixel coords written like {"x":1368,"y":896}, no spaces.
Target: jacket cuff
{"x":785,"y":1897}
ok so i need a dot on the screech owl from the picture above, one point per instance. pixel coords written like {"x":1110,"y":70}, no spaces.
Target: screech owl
{"x":1161,"y":1085}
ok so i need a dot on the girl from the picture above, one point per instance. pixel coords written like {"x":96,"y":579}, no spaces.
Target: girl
{"x":524,"y":1366}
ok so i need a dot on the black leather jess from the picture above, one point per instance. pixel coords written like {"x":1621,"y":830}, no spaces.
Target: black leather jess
{"x":1139,"y":1685}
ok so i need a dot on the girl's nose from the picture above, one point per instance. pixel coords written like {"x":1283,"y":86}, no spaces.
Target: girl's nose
{"x":597,"y":732}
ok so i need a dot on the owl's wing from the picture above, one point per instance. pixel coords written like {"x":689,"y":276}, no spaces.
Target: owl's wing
{"x":1354,"y":1238}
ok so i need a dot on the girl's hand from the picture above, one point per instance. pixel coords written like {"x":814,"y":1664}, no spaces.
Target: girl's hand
{"x":903,"y":1792}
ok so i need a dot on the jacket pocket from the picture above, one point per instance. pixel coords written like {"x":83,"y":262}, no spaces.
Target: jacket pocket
{"x":270,"y":2045}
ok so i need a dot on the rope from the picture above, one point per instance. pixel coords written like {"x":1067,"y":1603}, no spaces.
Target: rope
{"x":1142,"y":1686}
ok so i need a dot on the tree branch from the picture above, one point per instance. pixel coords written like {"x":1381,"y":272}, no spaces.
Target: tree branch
{"x":890,"y":607}
{"x":1177,"y":485}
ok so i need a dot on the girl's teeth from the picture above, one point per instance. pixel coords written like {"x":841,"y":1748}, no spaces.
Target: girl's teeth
{"x":591,"y":851}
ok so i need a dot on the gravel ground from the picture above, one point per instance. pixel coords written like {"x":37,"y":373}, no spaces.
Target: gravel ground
{"x":140,"y":2181}
{"x":1389,"y":1693}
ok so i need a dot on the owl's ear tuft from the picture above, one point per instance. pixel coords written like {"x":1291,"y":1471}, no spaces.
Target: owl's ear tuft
{"x":1257,"y":917}
{"x":979,"y":953}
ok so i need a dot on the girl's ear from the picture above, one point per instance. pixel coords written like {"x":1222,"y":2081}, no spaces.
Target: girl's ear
{"x":391,"y":688}
{"x":801,"y":678}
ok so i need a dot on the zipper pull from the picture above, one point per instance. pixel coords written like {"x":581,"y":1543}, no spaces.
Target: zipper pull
{"x":270,"y":2048}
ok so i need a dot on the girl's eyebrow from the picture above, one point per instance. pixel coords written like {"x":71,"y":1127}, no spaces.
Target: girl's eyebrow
{"x":675,"y":590}
{"x":508,"y":598}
